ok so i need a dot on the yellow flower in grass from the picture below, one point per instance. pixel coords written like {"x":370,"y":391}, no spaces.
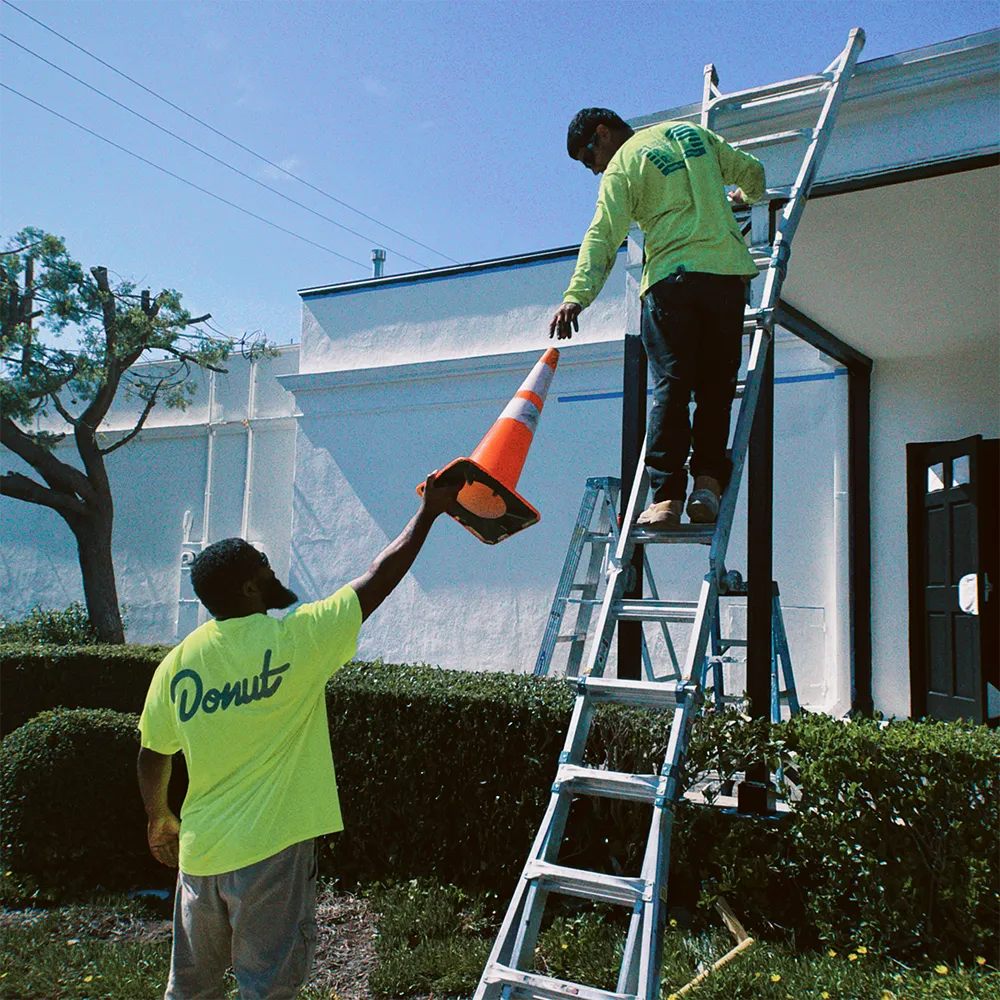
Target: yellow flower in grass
{"x":941,"y":970}
{"x":832,"y":953}
{"x":87,"y":979}
{"x":980,"y":960}
{"x":852,"y":957}
{"x":775,"y":978}
{"x":862,"y":950}
{"x":824,"y":995}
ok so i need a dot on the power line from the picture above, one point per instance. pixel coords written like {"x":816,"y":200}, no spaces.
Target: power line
{"x":223,"y":135}
{"x":204,"y":152}
{"x":184,"y":180}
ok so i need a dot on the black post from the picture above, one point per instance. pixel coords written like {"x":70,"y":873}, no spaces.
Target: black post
{"x":633,"y":432}
{"x":753,"y":792}
{"x":860,"y":532}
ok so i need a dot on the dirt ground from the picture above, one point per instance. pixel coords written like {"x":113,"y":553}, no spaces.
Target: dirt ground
{"x":345,"y":951}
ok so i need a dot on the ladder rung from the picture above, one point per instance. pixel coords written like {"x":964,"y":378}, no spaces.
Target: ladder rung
{"x":572,"y":637}
{"x":583,"y":600}
{"x":649,"y":694}
{"x":732,"y":642}
{"x":774,"y":139}
{"x":532,"y":986}
{"x":686,"y":534}
{"x":609,"y":784}
{"x":598,"y":538}
{"x":655,"y":611}
{"x":784,"y":88}
{"x":729,"y":802}
{"x":587,"y":885}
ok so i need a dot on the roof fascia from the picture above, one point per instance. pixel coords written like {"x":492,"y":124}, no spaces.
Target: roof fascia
{"x":967,"y":59}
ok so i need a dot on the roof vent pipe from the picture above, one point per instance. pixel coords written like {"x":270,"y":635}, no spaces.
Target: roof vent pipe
{"x":378,"y":263}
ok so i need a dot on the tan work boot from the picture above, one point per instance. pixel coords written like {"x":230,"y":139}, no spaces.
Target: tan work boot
{"x":665,"y":515}
{"x":703,"y":504}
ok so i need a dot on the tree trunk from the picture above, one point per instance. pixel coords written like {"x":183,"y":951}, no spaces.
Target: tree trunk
{"x":93,"y":541}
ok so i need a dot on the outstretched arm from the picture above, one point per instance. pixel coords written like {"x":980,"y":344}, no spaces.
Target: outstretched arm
{"x":395,"y":560}
{"x":163,"y":827}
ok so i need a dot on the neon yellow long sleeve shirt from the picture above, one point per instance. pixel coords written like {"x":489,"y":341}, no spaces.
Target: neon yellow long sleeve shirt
{"x":670,"y":179}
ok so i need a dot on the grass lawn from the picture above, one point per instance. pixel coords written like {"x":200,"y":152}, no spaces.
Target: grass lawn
{"x":433,"y":941}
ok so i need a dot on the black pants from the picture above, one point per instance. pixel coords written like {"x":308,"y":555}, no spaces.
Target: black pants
{"x":692,"y":329}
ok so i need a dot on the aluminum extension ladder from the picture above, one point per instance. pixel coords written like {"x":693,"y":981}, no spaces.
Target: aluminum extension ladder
{"x":508,"y":972}
{"x":600,"y":497}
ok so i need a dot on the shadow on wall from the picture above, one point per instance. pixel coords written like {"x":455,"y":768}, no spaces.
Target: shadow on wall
{"x":357,"y":474}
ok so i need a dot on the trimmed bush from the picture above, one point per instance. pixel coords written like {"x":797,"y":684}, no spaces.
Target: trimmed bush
{"x":71,"y":812}
{"x":40,"y":626}
{"x":446,"y":774}
{"x":897,"y":835}
{"x":35,"y":678}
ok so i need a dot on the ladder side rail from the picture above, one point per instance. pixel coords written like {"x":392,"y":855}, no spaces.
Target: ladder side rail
{"x":637,"y":496}
{"x":620,"y":567}
{"x":647,"y":661}
{"x":503,"y":946}
{"x":741,"y":440}
{"x":526,"y":905}
{"x":656,"y":863}
{"x":558,"y":610}
{"x":718,"y":651}
{"x":708,"y":604}
{"x":709,"y":91}
{"x":628,"y":974}
{"x":598,"y":553}
{"x":784,"y":654}
{"x":775,"y":686}
{"x":655,"y":595}
{"x":792,"y":211}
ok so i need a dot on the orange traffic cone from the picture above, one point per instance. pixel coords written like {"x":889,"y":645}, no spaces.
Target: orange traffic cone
{"x":487,"y":505}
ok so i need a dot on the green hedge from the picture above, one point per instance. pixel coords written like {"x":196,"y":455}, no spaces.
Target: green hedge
{"x":70,"y":813}
{"x":446,"y":774}
{"x":37,"y":677}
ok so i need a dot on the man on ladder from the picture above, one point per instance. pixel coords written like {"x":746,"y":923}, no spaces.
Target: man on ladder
{"x":670,"y":179}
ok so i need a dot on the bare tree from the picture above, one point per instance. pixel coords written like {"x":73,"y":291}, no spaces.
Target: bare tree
{"x":115,"y":327}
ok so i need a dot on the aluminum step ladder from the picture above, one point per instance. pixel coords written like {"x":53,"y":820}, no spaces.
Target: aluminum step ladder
{"x":781,"y":657}
{"x":508,"y":970}
{"x":600,"y":497}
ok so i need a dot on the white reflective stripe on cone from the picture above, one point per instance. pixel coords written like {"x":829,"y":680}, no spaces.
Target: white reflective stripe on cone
{"x":523,"y":410}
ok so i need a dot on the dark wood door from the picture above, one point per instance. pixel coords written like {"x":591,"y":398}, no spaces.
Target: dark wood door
{"x":952,"y":524}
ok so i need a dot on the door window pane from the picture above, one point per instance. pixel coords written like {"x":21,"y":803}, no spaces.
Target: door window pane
{"x":935,"y":477}
{"x":960,"y":470}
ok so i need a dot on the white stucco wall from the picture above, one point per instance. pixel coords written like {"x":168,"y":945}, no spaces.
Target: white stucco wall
{"x":164,"y":484}
{"x":942,"y":398}
{"x":500,"y":308}
{"x":367,"y":435}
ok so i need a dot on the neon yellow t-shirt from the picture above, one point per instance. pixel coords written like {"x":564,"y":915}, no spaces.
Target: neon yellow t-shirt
{"x":245,"y":700}
{"x":670,"y":179}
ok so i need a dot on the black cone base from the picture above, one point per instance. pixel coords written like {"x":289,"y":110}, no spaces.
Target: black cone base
{"x":483,"y":497}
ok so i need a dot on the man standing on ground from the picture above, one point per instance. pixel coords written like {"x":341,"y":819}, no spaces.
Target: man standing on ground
{"x":243,"y":697}
{"x":670,"y":178}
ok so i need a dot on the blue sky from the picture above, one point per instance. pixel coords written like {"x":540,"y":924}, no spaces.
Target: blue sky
{"x":444,"y":120}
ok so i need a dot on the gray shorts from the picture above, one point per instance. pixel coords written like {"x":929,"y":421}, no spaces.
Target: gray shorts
{"x":261,"y":920}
